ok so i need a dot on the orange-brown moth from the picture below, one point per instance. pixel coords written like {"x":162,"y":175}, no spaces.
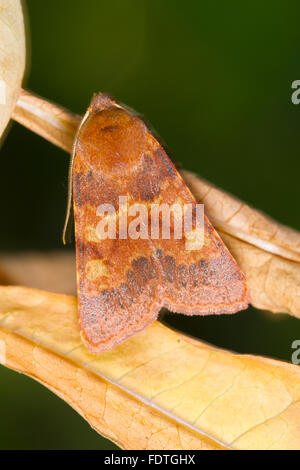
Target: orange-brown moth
{"x":123,"y":283}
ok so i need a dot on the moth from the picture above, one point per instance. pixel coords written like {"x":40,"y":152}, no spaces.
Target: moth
{"x":124,"y":281}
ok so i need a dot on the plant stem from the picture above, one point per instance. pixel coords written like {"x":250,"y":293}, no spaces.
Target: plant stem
{"x":49,"y":120}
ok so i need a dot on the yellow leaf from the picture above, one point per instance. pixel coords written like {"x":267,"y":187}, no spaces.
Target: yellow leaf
{"x":159,"y":389}
{"x":12,"y":57}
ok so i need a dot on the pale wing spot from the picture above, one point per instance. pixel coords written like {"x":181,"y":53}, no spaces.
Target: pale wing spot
{"x":91,"y":234}
{"x":194,"y":239}
{"x":96,"y":268}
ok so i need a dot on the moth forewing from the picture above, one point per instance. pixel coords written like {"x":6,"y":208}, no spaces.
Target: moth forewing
{"x":123,"y":282}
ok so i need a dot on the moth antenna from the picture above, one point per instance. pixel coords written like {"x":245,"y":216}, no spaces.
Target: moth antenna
{"x":67,"y":228}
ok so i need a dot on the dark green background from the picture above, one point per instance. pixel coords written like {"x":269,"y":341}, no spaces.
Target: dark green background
{"x":214,"y":79}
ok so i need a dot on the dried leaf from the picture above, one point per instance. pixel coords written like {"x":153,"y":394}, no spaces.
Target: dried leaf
{"x":54,"y":271}
{"x":12,"y":57}
{"x":159,"y":389}
{"x":267,"y":252}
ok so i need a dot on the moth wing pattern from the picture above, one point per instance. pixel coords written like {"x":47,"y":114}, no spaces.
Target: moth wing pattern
{"x":123,"y":283}
{"x":196,"y":281}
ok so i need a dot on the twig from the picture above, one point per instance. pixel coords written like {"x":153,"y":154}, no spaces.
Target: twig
{"x":51,"y":121}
